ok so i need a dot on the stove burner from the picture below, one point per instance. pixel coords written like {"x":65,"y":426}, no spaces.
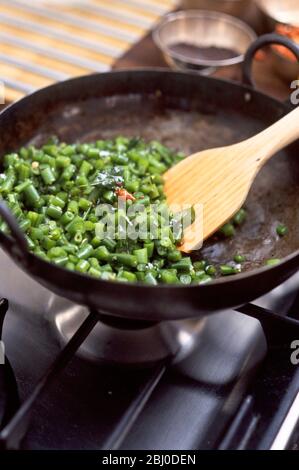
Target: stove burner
{"x":126,"y":342}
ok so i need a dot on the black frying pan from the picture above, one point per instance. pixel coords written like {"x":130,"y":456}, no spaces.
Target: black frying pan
{"x":186,"y":112}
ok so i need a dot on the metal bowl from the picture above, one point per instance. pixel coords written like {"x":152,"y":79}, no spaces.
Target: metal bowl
{"x":278,"y":12}
{"x":202,"y":28}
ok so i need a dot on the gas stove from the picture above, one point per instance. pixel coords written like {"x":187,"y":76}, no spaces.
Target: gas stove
{"x":75,"y":379}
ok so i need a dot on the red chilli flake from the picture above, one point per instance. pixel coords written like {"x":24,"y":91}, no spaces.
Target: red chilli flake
{"x":124,"y":194}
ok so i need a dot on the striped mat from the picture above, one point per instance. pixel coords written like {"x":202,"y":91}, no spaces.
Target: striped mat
{"x":42,"y":41}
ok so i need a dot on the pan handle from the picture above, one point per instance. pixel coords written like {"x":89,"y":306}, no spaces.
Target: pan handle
{"x":16,"y":243}
{"x":262,"y":41}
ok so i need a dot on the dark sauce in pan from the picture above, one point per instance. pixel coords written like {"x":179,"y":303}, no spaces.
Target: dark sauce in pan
{"x":203,"y":53}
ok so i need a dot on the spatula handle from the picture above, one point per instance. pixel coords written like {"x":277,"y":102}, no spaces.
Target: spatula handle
{"x":279,"y":135}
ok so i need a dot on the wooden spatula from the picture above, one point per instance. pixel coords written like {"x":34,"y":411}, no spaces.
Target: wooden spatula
{"x":218,"y":180}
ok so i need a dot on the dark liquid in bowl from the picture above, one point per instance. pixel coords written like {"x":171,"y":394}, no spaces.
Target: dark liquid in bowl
{"x":203,"y":53}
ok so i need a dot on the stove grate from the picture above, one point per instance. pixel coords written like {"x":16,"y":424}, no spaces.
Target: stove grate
{"x":279,"y":331}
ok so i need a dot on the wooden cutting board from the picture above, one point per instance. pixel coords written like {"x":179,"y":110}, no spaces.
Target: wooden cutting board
{"x":43,"y":41}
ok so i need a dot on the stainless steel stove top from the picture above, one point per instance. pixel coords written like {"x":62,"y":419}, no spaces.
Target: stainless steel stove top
{"x":185,"y":404}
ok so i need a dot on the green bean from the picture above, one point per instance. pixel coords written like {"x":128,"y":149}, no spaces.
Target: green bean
{"x":85,"y":252}
{"x":85,"y":168}
{"x":150,"y":246}
{"x":109,"y":243}
{"x":211,"y":270}
{"x":123,"y":258}
{"x":94,"y":263}
{"x":73,"y":207}
{"x":141,"y":267}
{"x":70,"y":266}
{"x":22,"y":186}
{"x":84,"y":203}
{"x":94,"y":272}
{"x":92,"y":153}
{"x":10,"y":160}
{"x":54,"y":191}
{"x":239,"y":258}
{"x":205,"y":279}
{"x":227,"y":230}
{"x":24,"y":224}
{"x":30,"y":242}
{"x":149,"y":279}
{"x":96,"y":242}
{"x":36,"y":233}
{"x":82,"y":266}
{"x":127,"y":275}
{"x":32,"y":195}
{"x":47,"y":243}
{"x":78,"y":237}
{"x":23,"y":171}
{"x":185,"y":279}
{"x":227,"y":270}
{"x":41,"y":254}
{"x":185,"y":265}
{"x":48,"y":175}
{"x":66,"y":218}
{"x":101,"y":253}
{"x":198,"y":274}
{"x":33,"y":217}
{"x":199,"y":265}
{"x":57,"y":201}
{"x":60,"y":261}
{"x":141,"y":255}
{"x":54,"y":212}
{"x":168,"y":276}
{"x":108,"y":276}
{"x":89,"y":226}
{"x":272,"y":262}
{"x":76,"y":225}
{"x":8,"y":183}
{"x":140,"y":276}
{"x":63,"y":195}
{"x":68,"y":172}
{"x":56,"y":252}
{"x":240,"y":217}
{"x":174,"y":255}
{"x":281,"y":230}
{"x":62,"y":161}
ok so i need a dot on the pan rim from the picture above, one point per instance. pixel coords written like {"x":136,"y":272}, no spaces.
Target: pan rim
{"x":218,"y":281}
{"x":158,"y":70}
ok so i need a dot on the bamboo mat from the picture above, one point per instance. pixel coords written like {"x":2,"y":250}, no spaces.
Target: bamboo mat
{"x":43,"y":41}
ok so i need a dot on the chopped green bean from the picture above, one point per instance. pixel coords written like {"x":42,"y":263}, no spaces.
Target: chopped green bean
{"x":226,"y":269}
{"x":48,"y":175}
{"x":240,"y":217}
{"x":272,"y":261}
{"x":211,"y":270}
{"x":239,"y":258}
{"x":227,"y":230}
{"x":281,"y":230}
{"x":55,"y":191}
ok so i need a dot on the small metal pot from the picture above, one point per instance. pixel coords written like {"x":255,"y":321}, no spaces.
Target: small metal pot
{"x":202,"y":29}
{"x":277,"y":12}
